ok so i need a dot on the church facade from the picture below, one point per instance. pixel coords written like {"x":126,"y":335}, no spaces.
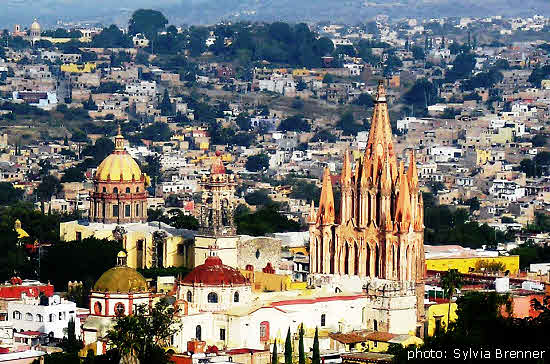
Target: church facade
{"x":378,"y":237}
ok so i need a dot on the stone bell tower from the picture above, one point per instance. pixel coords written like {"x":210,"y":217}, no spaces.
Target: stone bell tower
{"x":217,"y":231}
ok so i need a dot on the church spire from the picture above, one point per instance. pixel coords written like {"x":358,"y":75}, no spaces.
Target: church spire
{"x":403,"y":211}
{"x":325,"y":215}
{"x":311,"y":217}
{"x":345,"y":176}
{"x":412,"y":174}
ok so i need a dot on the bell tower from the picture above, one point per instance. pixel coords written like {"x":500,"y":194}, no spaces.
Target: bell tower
{"x":217,"y":230}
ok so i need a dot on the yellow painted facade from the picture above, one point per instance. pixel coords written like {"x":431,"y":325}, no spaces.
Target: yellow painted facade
{"x":262,"y":282}
{"x":66,"y":40}
{"x":299,"y":250}
{"x":482,"y":156}
{"x":439,"y":312}
{"x":382,"y":346}
{"x":78,"y":68}
{"x":467,"y":265}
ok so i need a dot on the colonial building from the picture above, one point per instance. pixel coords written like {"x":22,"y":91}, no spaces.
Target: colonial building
{"x":119,"y":194}
{"x":120,"y":291}
{"x":217,"y":231}
{"x":379,"y":233}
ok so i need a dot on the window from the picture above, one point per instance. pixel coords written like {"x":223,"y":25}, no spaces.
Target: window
{"x":39,"y":318}
{"x":181,"y":249}
{"x":222,"y":334}
{"x":137,"y":209}
{"x":127,"y":210}
{"x":140,"y":245}
{"x":51,"y":317}
{"x":375,"y":325}
{"x":198,"y":332}
{"x":97,"y":308}
{"x":78,"y":236}
{"x":28,"y":317}
{"x":115,"y":190}
{"x":323,"y":320}
{"x":16,"y":315}
{"x":62,"y":316}
{"x":115,"y":210}
{"x":137,"y":189}
{"x":375,"y":344}
{"x":212,"y":297}
{"x":128,"y":190}
{"x":104,"y":189}
{"x":189,"y":296}
{"x":236,"y":297}
{"x":258,"y":254}
{"x":264,"y":331}
{"x":119,"y":309}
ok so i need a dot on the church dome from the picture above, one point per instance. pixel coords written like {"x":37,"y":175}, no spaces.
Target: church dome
{"x":214,"y":273}
{"x":35,"y":26}
{"x":119,"y":166}
{"x":121,"y":279}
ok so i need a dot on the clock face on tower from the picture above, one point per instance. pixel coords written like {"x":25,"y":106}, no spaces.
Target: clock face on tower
{"x":97,"y":308}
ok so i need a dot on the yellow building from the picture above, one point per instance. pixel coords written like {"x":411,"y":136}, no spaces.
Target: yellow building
{"x":262,"y":282}
{"x":437,"y":316}
{"x":468,"y":264}
{"x":482,"y":156}
{"x":78,"y":68}
{"x":441,"y":258}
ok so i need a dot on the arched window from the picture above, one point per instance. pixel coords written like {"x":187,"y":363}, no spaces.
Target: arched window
{"x":236,"y":297}
{"x":39,"y":318}
{"x":198,"y":332}
{"x":137,"y":210}
{"x":119,"y":309}
{"x":212,"y":297}
{"x":62,"y":316}
{"x":97,"y":308}
{"x":137,"y":189}
{"x":189,"y":296}
{"x":104,"y":189}
{"x":51,"y":317}
{"x":264,"y":331}
{"x":28,"y":317}
{"x":323,"y":320}
{"x":128,"y":190}
{"x":375,"y":325}
{"x":16,"y":315}
{"x":115,"y":190}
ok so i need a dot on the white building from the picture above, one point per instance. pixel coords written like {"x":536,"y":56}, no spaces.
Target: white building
{"x":142,"y":88}
{"x":48,"y":315}
{"x":445,"y":153}
{"x":508,"y":190}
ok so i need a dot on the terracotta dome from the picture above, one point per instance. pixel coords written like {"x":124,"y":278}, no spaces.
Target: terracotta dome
{"x":214,"y":273}
{"x":121,"y":279}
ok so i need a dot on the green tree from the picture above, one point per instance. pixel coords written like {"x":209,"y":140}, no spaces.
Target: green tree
{"x":288,"y":348}
{"x":301,"y":351}
{"x":257,"y":163}
{"x":9,"y":194}
{"x":295,"y":123}
{"x":148,"y":22}
{"x":316,"y":355}
{"x":143,"y":334}
{"x":49,"y":187}
{"x":451,"y":282}
{"x":111,"y":37}
{"x":166,"y":104}
{"x":90,"y":104}
{"x":243,"y":121}
{"x":274,"y":355}
{"x":72,"y":174}
{"x":258,"y":198}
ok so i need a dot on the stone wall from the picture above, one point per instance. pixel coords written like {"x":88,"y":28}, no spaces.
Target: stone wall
{"x":258,"y":252}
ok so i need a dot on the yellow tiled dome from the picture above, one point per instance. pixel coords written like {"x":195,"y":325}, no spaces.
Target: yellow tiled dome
{"x":119,"y":166}
{"x":121,"y":279}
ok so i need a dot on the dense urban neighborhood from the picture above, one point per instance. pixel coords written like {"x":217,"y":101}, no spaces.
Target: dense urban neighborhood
{"x":255,"y":192}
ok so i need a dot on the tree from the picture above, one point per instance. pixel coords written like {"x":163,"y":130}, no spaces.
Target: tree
{"x":157,"y":131}
{"x":301,"y":352}
{"x":539,"y":140}
{"x":418,"y":53}
{"x":72,"y":174}
{"x":316,"y":356}
{"x":451,"y":282}
{"x":9,"y":194}
{"x":258,"y":198}
{"x":166,"y":104}
{"x":243,"y":121}
{"x":90,"y":104}
{"x":364,"y":100}
{"x":148,"y":22}
{"x":71,"y":344}
{"x":295,"y":123}
{"x":274,"y":356}
{"x":328,"y":78}
{"x":143,"y":334}
{"x":111,"y":37}
{"x":49,"y":187}
{"x":257,"y":163}
{"x":288,"y":348}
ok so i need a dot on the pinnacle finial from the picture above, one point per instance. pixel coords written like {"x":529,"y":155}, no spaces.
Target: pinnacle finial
{"x":381,"y":91}
{"x":119,"y":130}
